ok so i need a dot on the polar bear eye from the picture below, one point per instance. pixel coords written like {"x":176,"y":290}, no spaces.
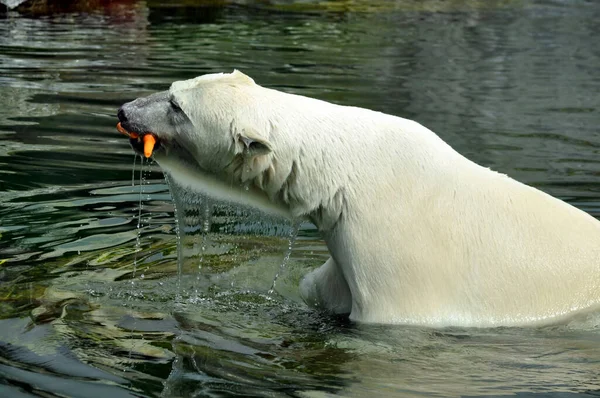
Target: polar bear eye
{"x":175,"y":106}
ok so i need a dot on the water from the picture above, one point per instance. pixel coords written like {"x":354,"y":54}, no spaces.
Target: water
{"x":201,"y":238}
{"x":139,"y":221}
{"x":512,"y":85}
{"x":286,"y":258}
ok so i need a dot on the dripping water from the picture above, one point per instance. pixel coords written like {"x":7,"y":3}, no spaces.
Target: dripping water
{"x":138,"y":245}
{"x":178,"y":211}
{"x":206,"y":221}
{"x":135,"y":156}
{"x":291,"y":240}
{"x":193,"y":221}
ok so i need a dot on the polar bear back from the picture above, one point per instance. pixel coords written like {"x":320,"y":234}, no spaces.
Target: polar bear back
{"x":478,"y":249}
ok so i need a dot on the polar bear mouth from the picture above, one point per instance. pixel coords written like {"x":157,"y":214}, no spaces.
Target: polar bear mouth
{"x":143,"y":143}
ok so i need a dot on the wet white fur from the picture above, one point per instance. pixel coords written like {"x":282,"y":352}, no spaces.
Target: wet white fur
{"x":418,"y":234}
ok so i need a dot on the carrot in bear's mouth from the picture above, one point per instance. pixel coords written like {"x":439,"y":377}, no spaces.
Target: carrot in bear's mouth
{"x":127,"y":133}
{"x":149,"y":139}
{"x":149,"y":142}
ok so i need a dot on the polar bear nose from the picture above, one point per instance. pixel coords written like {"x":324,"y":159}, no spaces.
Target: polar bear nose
{"x":121,"y":115}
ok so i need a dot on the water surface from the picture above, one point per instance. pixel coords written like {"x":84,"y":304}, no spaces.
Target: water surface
{"x":512,"y":85}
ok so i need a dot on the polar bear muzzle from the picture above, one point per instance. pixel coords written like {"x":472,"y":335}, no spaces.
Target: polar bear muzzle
{"x":145,"y":122}
{"x":144,"y":143}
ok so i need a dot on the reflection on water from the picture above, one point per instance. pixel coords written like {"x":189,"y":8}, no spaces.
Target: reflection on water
{"x":511,"y":84}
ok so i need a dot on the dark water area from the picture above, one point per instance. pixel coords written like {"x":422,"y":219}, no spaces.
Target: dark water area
{"x":93,"y":306}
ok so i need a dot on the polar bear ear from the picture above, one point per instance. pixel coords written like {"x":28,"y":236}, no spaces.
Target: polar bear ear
{"x":253,"y":143}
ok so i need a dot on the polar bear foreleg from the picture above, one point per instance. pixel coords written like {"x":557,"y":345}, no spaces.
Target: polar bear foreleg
{"x":326,"y":288}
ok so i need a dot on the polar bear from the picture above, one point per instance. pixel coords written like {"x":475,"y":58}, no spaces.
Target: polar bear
{"x":417,"y":233}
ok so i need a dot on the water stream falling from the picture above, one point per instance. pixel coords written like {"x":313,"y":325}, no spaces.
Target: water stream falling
{"x":291,"y":241}
{"x":179,"y":230}
{"x":135,"y":156}
{"x":193,"y":213}
{"x":138,"y":245}
{"x":206,"y":221}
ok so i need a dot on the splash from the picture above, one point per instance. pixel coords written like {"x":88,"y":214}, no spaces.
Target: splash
{"x":193,"y":213}
{"x":215,"y":235}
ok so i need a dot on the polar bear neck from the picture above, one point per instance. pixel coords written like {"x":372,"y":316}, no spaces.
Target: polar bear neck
{"x":285,"y":184}
{"x":327,"y":156}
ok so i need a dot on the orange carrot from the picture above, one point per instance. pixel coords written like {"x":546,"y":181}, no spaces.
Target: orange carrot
{"x":149,"y":142}
{"x":127,"y":133}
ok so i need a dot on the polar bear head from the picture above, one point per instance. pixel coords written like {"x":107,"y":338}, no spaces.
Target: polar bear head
{"x":210,"y":122}
{"x":289,"y":150}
